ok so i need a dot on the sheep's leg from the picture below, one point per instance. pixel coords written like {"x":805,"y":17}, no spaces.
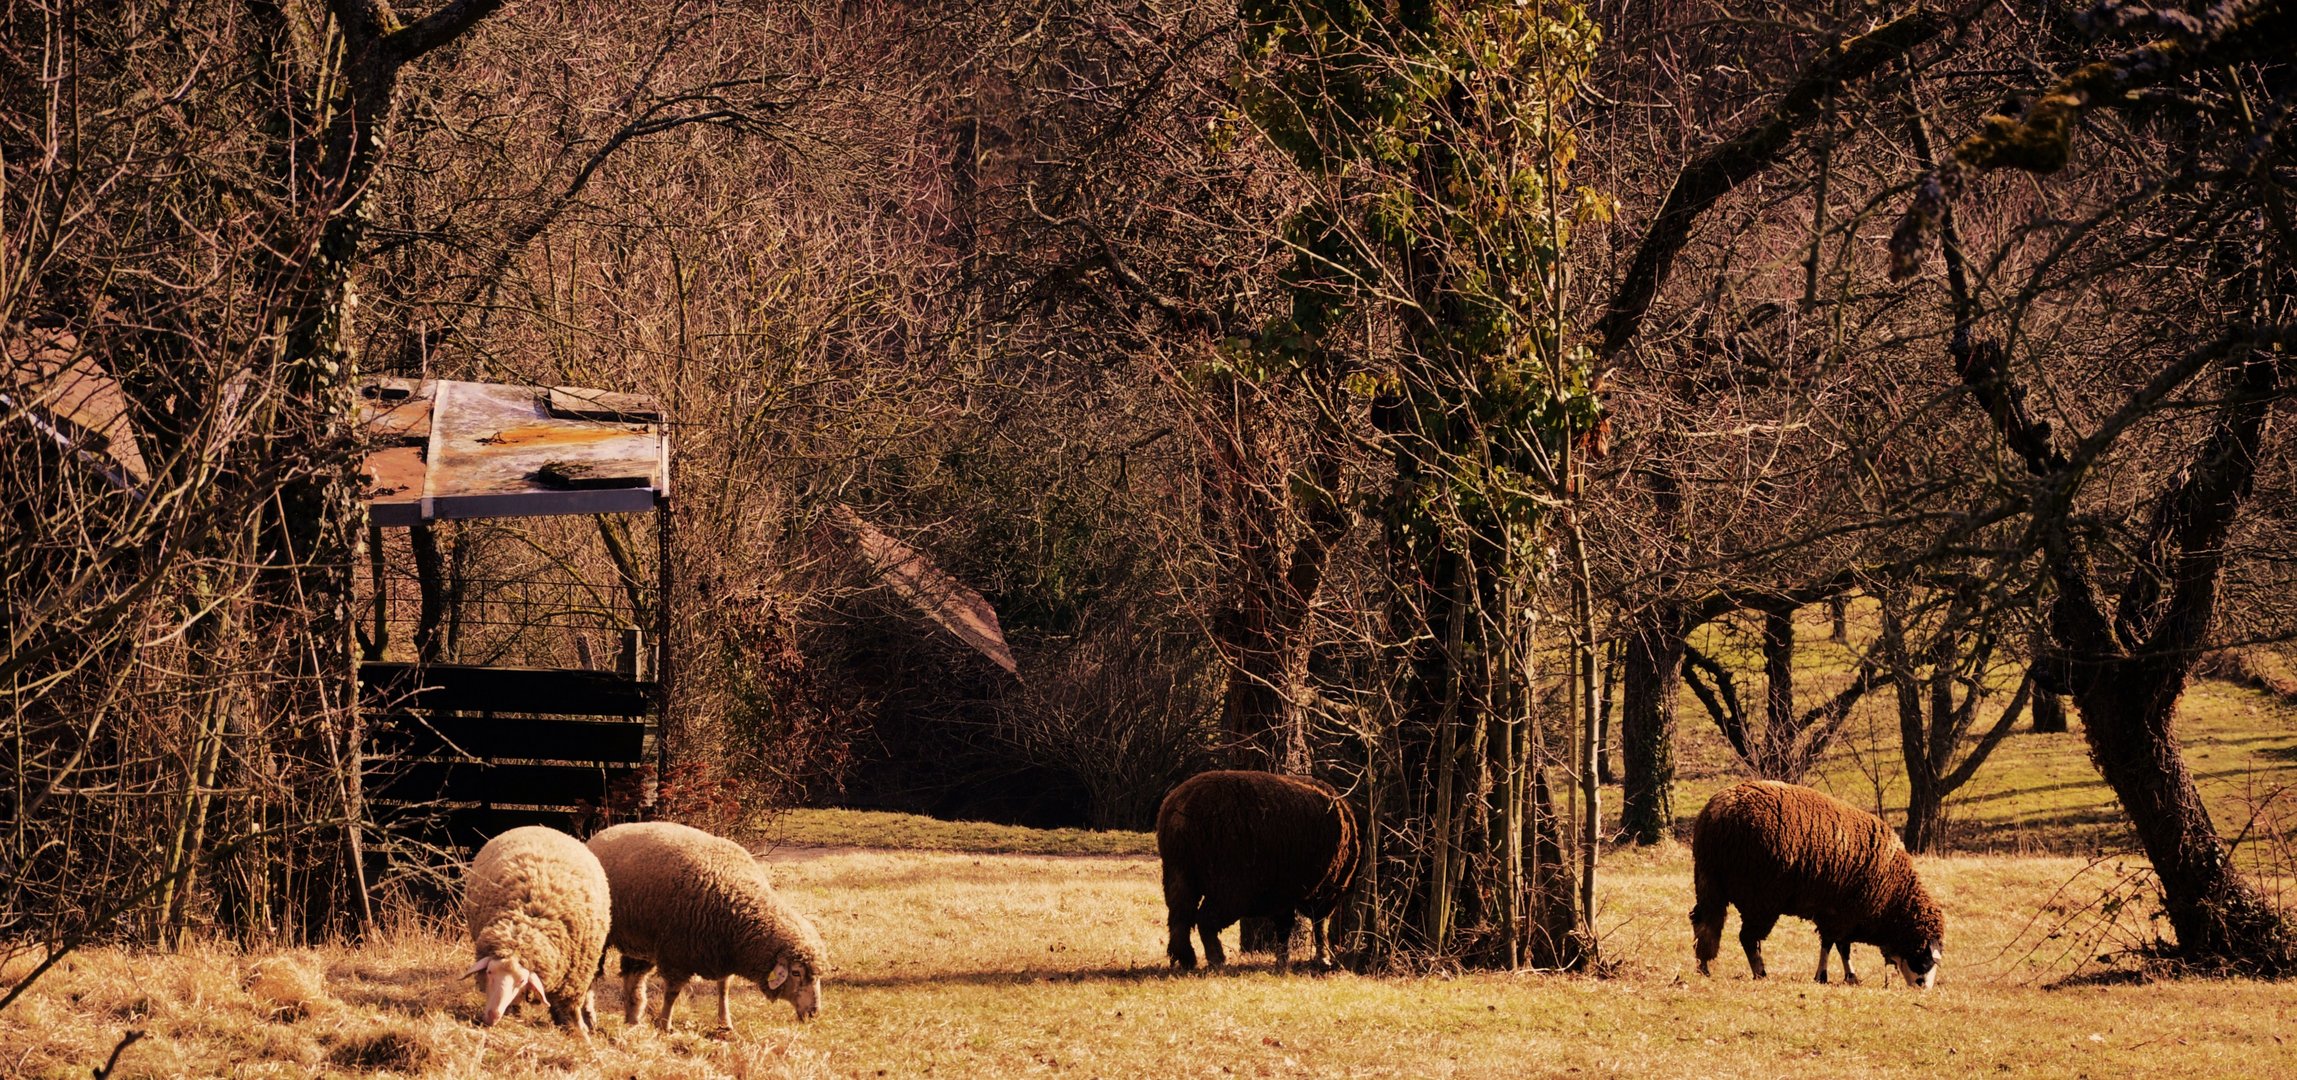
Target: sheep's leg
{"x":1848,"y":976}
{"x":672,"y":983}
{"x":1706,"y":937}
{"x":1825,"y":951}
{"x":589,"y":1013}
{"x":1323,"y":948}
{"x":1210,"y":930}
{"x":1180,"y":904}
{"x":634,"y":987}
{"x":573,"y":1011}
{"x":1753,"y":928}
{"x":1284,"y":945}
{"x":726,"y":1005}
{"x":1707,"y":917}
{"x":1211,"y":919}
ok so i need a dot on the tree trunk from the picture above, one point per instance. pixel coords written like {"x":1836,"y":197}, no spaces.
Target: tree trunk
{"x":1779,"y":728}
{"x":1606,"y":705}
{"x":311,"y":538}
{"x":1925,"y":812}
{"x":1554,"y":924}
{"x":2049,"y":712}
{"x":1590,"y":764}
{"x":2049,"y":679}
{"x":431,"y":592}
{"x":1651,"y":671}
{"x":1925,"y":798}
{"x":1262,"y":630}
{"x":2127,"y":670}
{"x":2128,"y":710}
{"x":1246,"y":513}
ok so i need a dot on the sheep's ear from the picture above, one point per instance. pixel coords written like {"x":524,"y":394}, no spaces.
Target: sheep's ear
{"x":478,"y":967}
{"x":534,"y":987}
{"x":781,"y":975}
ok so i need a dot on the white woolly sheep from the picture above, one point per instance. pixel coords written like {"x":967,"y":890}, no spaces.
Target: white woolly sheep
{"x":697,"y":904}
{"x":538,"y":907}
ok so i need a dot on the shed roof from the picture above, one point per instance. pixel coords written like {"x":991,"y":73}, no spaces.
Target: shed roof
{"x":446,"y":449}
{"x":66,"y":396}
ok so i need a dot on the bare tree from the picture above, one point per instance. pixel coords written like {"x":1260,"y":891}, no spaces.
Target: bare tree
{"x":181,"y":261}
{"x":1939,"y":651}
{"x":2131,"y":615}
{"x":1660,"y":617}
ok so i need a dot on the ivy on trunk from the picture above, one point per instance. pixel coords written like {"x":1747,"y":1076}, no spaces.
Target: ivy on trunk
{"x":1428,"y":281}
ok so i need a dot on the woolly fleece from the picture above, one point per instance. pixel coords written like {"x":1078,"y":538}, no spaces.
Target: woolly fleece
{"x":538,"y":896}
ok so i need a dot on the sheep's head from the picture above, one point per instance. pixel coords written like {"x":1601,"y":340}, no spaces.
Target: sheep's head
{"x":500,"y":980}
{"x":795,"y":980}
{"x":1917,"y":931}
{"x":1917,"y":962}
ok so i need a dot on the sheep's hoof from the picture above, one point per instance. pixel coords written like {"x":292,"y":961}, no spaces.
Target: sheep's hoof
{"x":724,"y":1034}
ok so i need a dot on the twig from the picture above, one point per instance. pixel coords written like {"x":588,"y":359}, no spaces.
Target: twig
{"x":104,"y":1071}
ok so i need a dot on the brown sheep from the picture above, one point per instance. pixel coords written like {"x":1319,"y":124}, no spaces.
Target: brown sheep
{"x":1773,"y":849}
{"x":1244,"y":844}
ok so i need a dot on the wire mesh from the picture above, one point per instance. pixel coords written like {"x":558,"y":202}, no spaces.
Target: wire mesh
{"x":575,"y":593}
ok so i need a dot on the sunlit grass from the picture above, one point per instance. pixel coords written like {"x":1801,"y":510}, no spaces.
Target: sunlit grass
{"x":978,"y":965}
{"x":2036,"y":793}
{"x":915,"y":832}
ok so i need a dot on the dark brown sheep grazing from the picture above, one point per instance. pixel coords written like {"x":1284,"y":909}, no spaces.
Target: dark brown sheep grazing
{"x":1241,"y":845}
{"x":1773,"y":849}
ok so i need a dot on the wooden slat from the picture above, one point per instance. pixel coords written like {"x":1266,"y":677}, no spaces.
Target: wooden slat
{"x":487,"y":822}
{"x":465,"y":689}
{"x":468,"y":827}
{"x":472,"y":827}
{"x":448,"y":735}
{"x":545,"y":785}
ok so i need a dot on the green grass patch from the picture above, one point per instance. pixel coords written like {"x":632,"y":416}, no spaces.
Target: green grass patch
{"x":915,"y":832}
{"x":2038,"y":793}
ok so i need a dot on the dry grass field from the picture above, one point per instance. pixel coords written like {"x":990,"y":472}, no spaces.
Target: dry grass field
{"x":970,"y":950}
{"x":964,"y":964}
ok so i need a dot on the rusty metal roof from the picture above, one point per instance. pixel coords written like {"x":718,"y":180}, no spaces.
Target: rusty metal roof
{"x":66,"y":396}
{"x":445,"y":449}
{"x":914,"y":577}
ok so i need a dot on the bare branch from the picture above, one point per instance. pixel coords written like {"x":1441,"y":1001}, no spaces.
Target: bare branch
{"x":1720,"y":168}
